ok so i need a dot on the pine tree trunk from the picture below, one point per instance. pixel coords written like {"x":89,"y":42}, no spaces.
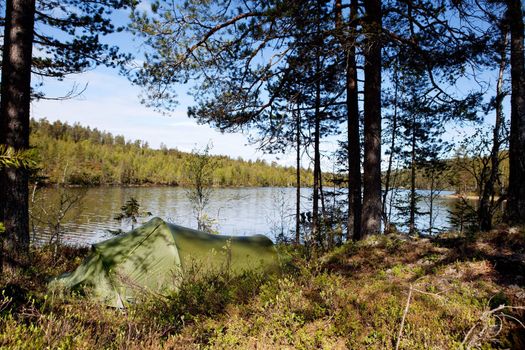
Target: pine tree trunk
{"x":485,"y":205}
{"x":352,"y":109}
{"x":354,"y":144}
{"x":298,"y":180}
{"x":515,"y":211}
{"x":412,"y":209}
{"x":371,"y":220}
{"x":14,"y":126}
{"x":317,"y":138}
{"x":388,"y":175}
{"x":317,"y":162}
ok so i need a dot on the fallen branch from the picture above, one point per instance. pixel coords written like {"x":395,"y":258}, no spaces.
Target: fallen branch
{"x":471,"y":340}
{"x":407,"y":306}
{"x":400,"y":334}
{"x":437,"y":295}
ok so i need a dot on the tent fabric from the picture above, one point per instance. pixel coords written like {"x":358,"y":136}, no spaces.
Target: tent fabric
{"x":153,"y":257}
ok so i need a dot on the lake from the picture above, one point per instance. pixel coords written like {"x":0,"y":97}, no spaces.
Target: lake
{"x":236,"y":211}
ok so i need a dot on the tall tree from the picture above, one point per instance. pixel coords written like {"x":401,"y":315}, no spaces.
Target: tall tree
{"x":392,"y":151}
{"x":14,"y":126}
{"x":516,"y":195}
{"x":421,"y":121}
{"x":430,"y":50}
{"x":239,"y":87}
{"x":297,"y":177}
{"x":354,"y":140}
{"x":493,"y":20}
{"x":506,"y":14}
{"x":66,"y":41}
{"x":486,"y":201}
{"x":371,"y":217}
{"x":349,"y":36}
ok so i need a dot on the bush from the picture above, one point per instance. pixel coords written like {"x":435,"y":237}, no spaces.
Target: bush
{"x":201,"y":294}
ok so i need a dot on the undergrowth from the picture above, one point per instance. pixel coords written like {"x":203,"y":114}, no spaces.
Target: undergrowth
{"x":383,"y":292}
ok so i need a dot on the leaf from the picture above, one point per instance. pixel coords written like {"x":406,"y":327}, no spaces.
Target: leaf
{"x":11,"y":158}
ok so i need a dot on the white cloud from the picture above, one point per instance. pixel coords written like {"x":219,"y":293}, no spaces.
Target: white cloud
{"x":111,"y":103}
{"x":144,"y":6}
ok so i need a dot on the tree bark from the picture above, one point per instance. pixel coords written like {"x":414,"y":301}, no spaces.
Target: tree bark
{"x":298,"y":179}
{"x":317,"y":137}
{"x":388,"y":175}
{"x":485,"y":205}
{"x":413,"y":142}
{"x":412,"y":216}
{"x":317,"y":165}
{"x":515,"y":211}
{"x":371,"y":220}
{"x":14,"y":126}
{"x":354,"y":144}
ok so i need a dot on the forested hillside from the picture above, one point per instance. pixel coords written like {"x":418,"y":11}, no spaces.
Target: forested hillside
{"x":80,"y":155}
{"x":461,"y":174}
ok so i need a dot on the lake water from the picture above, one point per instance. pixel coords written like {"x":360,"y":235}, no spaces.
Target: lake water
{"x":236,"y":211}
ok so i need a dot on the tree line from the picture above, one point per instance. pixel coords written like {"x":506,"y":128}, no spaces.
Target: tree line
{"x":459,"y":174}
{"x":78,"y":155}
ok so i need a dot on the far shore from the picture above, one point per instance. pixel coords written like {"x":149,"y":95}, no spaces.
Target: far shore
{"x":473,"y":197}
{"x":153,"y":185}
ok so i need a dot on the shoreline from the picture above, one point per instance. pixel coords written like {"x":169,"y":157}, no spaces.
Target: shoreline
{"x":472,"y":197}
{"x":150,"y":185}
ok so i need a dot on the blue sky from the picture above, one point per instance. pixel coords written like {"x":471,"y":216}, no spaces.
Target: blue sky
{"x":111,"y":103}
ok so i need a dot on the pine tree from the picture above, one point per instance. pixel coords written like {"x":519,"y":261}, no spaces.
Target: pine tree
{"x":66,"y":41}
{"x":240,"y":89}
{"x":371,"y":216}
{"x":14,"y":127}
{"x":516,"y":199}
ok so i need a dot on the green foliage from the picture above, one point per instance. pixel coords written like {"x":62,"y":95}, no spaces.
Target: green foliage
{"x":99,"y":158}
{"x":69,"y":39}
{"x":130,"y":211}
{"x":463,"y":217}
{"x":9,"y":157}
{"x":51,"y":210}
{"x":455,"y":177}
{"x":201,"y":295}
{"x":199,"y":171}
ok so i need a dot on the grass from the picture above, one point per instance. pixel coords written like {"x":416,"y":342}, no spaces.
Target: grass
{"x":354,"y":297}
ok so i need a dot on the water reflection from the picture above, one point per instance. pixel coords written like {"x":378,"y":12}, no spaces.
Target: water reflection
{"x":237,"y":211}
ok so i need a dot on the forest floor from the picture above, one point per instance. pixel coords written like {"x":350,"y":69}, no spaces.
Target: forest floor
{"x":385,"y":292}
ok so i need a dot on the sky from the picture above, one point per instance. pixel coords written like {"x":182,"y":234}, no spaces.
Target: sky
{"x":111,"y":103}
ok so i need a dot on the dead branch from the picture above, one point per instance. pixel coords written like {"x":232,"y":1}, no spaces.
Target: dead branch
{"x":404,"y":317}
{"x":473,"y":339}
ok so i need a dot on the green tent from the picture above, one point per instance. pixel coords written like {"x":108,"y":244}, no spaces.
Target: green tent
{"x":154,"y":257}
